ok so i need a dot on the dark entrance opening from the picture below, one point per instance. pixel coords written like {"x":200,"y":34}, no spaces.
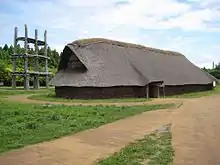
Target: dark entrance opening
{"x":154,"y":89}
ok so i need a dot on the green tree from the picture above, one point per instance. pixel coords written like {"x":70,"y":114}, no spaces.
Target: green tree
{"x":4,"y":72}
{"x":5,"y":48}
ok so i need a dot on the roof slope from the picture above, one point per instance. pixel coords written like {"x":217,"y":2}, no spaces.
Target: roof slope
{"x":114,"y":63}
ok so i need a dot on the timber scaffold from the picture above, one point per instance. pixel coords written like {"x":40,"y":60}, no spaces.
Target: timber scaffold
{"x":26,"y":73}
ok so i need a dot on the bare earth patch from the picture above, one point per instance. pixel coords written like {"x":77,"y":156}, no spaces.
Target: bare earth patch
{"x":195,"y":130}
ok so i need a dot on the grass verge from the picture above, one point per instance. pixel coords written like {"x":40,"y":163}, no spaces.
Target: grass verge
{"x":24,"y":124}
{"x":153,"y":149}
{"x":4,"y":92}
{"x":51,"y":97}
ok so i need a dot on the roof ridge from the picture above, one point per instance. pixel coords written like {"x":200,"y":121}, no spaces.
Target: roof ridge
{"x":90,"y":41}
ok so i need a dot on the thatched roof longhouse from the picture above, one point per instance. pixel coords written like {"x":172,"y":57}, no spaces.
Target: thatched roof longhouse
{"x":106,"y":63}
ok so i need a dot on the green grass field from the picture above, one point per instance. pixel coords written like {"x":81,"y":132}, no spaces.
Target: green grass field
{"x":4,"y":92}
{"x":24,"y":124}
{"x":153,"y":149}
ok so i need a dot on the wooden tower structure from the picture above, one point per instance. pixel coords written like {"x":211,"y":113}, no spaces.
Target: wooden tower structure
{"x":26,"y":73}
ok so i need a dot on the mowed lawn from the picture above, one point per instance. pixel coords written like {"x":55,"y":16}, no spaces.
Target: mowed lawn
{"x":24,"y":124}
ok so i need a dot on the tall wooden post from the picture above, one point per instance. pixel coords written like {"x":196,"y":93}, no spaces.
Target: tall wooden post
{"x":164,"y":91}
{"x":26,"y":74}
{"x":147,"y":91}
{"x":14,"y":59}
{"x":36,"y":77}
{"x":158,"y":91}
{"x":46,"y":60}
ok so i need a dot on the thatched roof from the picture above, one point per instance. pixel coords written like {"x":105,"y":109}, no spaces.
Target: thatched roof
{"x":114,"y":63}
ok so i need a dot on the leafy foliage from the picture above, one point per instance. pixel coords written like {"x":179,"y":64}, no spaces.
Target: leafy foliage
{"x":4,"y":71}
{"x":215,"y":71}
{"x":6,"y":62}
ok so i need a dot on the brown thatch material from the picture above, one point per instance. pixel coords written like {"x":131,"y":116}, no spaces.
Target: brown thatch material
{"x":105,"y":63}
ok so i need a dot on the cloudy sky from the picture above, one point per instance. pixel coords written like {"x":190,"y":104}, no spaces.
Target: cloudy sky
{"x":191,"y":27}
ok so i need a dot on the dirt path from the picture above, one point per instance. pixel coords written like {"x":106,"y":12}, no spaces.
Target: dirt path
{"x":195,"y":127}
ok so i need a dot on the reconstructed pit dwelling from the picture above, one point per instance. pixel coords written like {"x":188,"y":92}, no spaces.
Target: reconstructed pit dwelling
{"x":102,"y":68}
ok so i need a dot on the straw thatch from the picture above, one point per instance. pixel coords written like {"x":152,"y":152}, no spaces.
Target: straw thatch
{"x":106,"y":63}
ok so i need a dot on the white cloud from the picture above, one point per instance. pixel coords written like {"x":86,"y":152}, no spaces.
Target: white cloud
{"x":73,"y":19}
{"x":194,"y":20}
{"x":87,"y":3}
{"x":149,"y":14}
{"x":85,"y":32}
{"x":146,"y":14}
{"x":209,"y":3}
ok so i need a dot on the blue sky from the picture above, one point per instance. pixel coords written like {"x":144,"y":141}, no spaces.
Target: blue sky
{"x":191,"y":27}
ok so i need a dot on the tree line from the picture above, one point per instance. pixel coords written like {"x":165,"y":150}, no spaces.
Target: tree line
{"x":214,"y":71}
{"x":6,"y":63}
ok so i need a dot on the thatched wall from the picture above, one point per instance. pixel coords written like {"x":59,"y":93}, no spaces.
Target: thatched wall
{"x":125,"y":91}
{"x":181,"y":89}
{"x":100,"y":92}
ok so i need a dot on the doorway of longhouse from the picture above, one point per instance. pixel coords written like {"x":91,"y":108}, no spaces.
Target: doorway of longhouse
{"x":154,"y":91}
